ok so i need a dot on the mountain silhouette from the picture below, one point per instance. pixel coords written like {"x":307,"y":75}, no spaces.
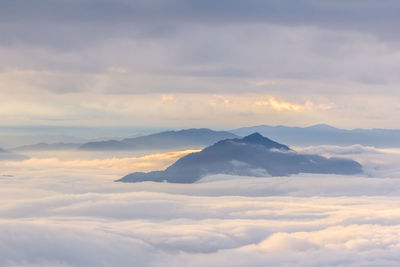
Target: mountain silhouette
{"x":7,"y":155}
{"x":190,"y":138}
{"x":253,"y":155}
{"x":323,"y":134}
{"x":47,"y":147}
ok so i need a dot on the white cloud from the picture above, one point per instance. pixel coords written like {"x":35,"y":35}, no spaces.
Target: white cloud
{"x":376,"y":162}
{"x":56,"y":213}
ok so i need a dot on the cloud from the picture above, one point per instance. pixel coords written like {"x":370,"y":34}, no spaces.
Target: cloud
{"x":168,"y":110}
{"x":316,"y":56}
{"x":165,"y":229}
{"x":279,"y":242}
{"x":63,"y":212}
{"x":117,"y":164}
{"x":167,"y":44}
{"x":376,"y":162}
{"x":373,"y":17}
{"x":284,"y":105}
{"x":339,"y":150}
{"x":6,"y":155}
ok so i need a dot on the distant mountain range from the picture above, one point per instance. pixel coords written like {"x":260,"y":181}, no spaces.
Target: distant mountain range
{"x":48,"y":147}
{"x":323,"y":134}
{"x":7,"y":155}
{"x":253,"y":155}
{"x":320,"y":134}
{"x":191,"y":138}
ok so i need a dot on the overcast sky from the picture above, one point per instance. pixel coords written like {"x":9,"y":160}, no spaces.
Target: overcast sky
{"x":183,"y":63}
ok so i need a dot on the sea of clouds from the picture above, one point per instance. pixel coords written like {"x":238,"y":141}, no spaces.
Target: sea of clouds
{"x":58,"y":211}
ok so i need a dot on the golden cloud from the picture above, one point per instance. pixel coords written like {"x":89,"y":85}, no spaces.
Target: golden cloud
{"x":113,"y":165}
{"x":282,"y":105}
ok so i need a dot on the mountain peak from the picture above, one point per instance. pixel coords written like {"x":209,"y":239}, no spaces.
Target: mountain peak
{"x":257,"y":138}
{"x":254,"y":136}
{"x":253,"y":155}
{"x":322,"y":126}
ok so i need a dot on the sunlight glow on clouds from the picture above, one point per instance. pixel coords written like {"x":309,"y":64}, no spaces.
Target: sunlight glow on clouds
{"x":120,"y":165}
{"x":284,"y":105}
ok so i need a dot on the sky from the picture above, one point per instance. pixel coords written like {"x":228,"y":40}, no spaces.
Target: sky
{"x":185,"y":63}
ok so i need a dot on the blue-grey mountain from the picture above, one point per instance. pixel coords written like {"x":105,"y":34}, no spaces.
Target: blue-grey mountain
{"x":48,"y":147}
{"x":7,"y":155}
{"x":253,"y":155}
{"x":191,"y":138}
{"x":323,"y":134}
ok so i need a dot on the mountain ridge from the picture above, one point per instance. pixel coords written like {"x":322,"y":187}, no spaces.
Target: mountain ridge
{"x":253,"y":155}
{"x":7,"y":155}
{"x":324,"y":134}
{"x":186,"y":138}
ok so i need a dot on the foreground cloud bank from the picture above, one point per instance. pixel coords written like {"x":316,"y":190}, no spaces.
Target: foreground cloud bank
{"x":61,"y":217}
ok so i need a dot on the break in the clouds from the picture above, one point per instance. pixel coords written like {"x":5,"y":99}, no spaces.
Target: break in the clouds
{"x":81,"y":56}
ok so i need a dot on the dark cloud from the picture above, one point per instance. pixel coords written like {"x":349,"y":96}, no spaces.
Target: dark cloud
{"x":303,"y":49}
{"x":360,"y":14}
{"x":66,"y":24}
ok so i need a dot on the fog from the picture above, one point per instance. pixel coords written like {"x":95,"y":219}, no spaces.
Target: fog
{"x":57,"y":210}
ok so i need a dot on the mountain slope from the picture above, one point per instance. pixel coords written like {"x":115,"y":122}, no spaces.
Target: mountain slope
{"x":165,"y":140}
{"x":322,"y":134}
{"x":253,"y":155}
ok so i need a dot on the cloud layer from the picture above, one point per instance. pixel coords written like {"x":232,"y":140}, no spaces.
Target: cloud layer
{"x":82,"y":55}
{"x":58,"y":212}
